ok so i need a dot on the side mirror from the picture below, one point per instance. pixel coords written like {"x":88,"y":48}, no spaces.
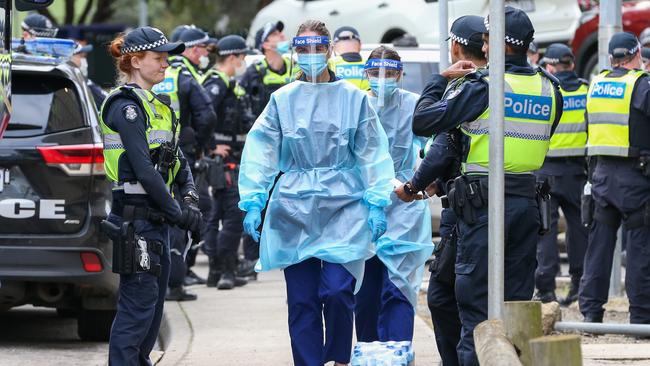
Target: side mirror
{"x":26,"y":5}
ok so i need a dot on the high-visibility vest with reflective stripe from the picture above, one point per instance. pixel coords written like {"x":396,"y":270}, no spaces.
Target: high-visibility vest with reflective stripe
{"x":238,"y":89}
{"x":352,"y":72}
{"x":570,"y":137}
{"x":608,"y":113}
{"x":169,"y":85}
{"x":159,"y":130}
{"x":530,"y":109}
{"x":271,"y":78}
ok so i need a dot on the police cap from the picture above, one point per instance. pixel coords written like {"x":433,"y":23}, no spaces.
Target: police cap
{"x":623,"y":44}
{"x":263,"y":33}
{"x":193,"y":36}
{"x":519,"y":28}
{"x":232,"y":45}
{"x":39,"y":26}
{"x":149,"y":39}
{"x":468,"y":30}
{"x":346,"y":33}
{"x":558,"y":53}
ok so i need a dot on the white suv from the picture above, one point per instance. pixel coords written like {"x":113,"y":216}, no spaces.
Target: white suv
{"x":383,"y":21}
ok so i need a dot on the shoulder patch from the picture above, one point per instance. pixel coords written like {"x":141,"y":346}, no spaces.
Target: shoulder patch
{"x":130,"y":112}
{"x":452,"y":94}
{"x":214,"y":90}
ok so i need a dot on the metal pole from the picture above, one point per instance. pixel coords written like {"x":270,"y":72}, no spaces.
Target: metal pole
{"x":443,"y":29}
{"x":496,"y":175}
{"x":615,"y":277}
{"x":604,"y":328}
{"x":609,"y":23}
{"x":144,"y":13}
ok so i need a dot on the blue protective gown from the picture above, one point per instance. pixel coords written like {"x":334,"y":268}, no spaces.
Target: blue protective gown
{"x":407,"y":243}
{"x":333,"y":151}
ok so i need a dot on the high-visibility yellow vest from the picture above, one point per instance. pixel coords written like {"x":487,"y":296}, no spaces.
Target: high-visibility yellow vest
{"x":159,"y":130}
{"x":530,"y":109}
{"x":352,"y":72}
{"x":570,"y":137}
{"x":169,"y":85}
{"x":608,"y":113}
{"x":271,"y":78}
{"x":237,"y":89}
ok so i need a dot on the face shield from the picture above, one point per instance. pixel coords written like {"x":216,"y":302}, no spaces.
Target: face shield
{"x":384,"y":78}
{"x":311,"y":55}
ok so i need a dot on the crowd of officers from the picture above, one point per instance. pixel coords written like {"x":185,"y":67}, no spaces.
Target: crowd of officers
{"x":570,"y":144}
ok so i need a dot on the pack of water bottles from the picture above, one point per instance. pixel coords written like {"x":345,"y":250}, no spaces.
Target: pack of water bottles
{"x":383,"y":354}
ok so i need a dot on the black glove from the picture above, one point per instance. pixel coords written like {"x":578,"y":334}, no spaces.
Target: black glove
{"x":190,"y":219}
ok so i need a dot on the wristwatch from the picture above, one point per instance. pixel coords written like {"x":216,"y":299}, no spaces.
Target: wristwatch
{"x":192,"y":196}
{"x":408,"y":188}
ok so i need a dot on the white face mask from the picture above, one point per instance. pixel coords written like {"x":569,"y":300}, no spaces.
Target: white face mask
{"x":239,"y":71}
{"x":204,"y":61}
{"x":83,"y":67}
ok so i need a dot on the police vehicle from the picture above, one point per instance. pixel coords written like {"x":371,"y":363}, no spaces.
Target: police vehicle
{"x":53,"y":194}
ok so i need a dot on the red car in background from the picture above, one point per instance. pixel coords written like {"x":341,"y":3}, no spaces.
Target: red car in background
{"x":636,"y":18}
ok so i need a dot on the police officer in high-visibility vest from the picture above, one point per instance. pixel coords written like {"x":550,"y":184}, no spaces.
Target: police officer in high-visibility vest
{"x":197,"y":121}
{"x":224,"y":226}
{"x":440,"y":165}
{"x":142,"y":160}
{"x":533,"y":107}
{"x":619,"y":140}
{"x":260,"y":80}
{"x":565,"y":171}
{"x":348,"y":63}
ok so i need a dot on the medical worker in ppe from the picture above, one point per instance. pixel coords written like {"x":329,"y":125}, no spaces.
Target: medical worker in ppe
{"x":385,"y":305}
{"x":327,"y":208}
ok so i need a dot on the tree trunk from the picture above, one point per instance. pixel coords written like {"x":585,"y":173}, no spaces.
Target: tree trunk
{"x":85,"y":12}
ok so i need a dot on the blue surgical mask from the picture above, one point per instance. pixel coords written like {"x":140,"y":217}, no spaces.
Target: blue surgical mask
{"x":312,"y":62}
{"x":389,"y":85}
{"x":282,"y":47}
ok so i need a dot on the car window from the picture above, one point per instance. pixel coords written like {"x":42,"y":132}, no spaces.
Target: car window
{"x":416,"y":75}
{"x":43,"y":105}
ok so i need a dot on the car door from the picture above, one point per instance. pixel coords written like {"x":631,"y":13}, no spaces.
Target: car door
{"x":554,"y":20}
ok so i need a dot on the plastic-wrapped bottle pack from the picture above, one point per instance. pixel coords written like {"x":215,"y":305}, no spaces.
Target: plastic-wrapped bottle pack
{"x":383,"y":354}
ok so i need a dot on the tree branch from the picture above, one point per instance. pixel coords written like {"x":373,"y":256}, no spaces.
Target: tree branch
{"x":85,"y":12}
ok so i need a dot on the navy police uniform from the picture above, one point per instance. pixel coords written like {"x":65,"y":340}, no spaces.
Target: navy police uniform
{"x":142,"y":196}
{"x":621,"y":193}
{"x":522,"y":222}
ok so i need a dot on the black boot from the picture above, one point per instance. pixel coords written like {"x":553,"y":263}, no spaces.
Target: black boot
{"x":545,"y":297}
{"x":227,"y":280}
{"x":214,"y":272}
{"x":179,"y":294}
{"x":593,"y":318}
{"x":246,"y":268}
{"x":572,"y":296}
{"x":191,"y":278}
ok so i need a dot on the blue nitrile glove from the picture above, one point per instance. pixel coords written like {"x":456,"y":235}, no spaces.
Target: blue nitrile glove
{"x":377,"y":222}
{"x":252,"y":221}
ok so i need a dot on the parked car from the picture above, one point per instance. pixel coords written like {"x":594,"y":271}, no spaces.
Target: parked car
{"x":636,"y":18}
{"x":384,"y":21}
{"x":53,"y":195}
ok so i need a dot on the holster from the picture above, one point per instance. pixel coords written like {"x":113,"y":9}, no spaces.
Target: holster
{"x":586,"y":208}
{"x":216,"y":174}
{"x":442,"y":267}
{"x":466,"y":196}
{"x":543,"y":189}
{"x":638,"y":218}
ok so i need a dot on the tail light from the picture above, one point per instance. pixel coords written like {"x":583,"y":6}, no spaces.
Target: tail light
{"x":75,"y":160}
{"x":91,"y":262}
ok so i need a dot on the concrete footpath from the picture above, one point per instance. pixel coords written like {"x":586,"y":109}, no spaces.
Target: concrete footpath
{"x":246,"y":326}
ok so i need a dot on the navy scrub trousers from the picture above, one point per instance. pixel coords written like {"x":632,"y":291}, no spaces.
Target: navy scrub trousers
{"x":382,"y":312}
{"x":315,"y":290}
{"x":140,"y":303}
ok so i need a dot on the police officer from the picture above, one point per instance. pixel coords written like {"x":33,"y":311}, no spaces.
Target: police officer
{"x":564,"y":169}
{"x":141,"y":158}
{"x":37,"y":25}
{"x":441,"y":164}
{"x":527,"y":138}
{"x":197,"y":119}
{"x":645,"y":56}
{"x":533,"y":54}
{"x":79,"y":58}
{"x":260,"y":80}
{"x":230,"y":103}
{"x":348,"y":64}
{"x":619,"y":141}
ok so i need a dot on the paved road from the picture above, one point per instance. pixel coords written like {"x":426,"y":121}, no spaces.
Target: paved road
{"x":31,"y":336}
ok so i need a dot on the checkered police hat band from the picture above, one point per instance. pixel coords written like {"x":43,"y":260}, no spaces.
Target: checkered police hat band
{"x":144,"y":47}
{"x":232,"y":52}
{"x":197,"y":41}
{"x":458,"y":39}
{"x":509,"y":39}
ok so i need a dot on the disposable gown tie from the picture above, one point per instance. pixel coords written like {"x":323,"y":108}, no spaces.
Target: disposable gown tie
{"x":406,"y":245}
{"x":329,"y":143}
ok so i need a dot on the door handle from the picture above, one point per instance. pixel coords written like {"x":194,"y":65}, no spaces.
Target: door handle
{"x":334,"y":13}
{"x":382,"y":5}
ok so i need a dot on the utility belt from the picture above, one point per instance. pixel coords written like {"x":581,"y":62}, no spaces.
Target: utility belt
{"x":468,"y":193}
{"x":442,"y":267}
{"x":131,"y":252}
